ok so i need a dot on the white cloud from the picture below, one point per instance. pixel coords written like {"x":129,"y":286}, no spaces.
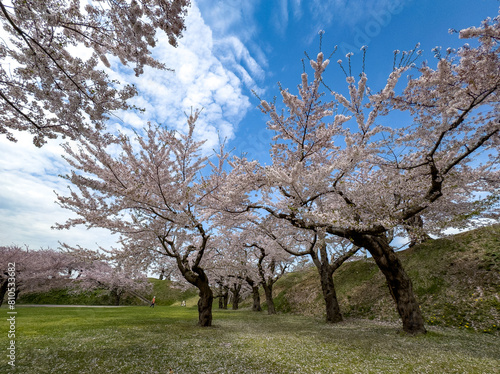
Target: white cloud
{"x":351,"y":12}
{"x":27,"y":200}
{"x":210,"y":73}
{"x":297,"y":9}
{"x":281,"y":17}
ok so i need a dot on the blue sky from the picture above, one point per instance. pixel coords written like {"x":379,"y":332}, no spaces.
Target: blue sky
{"x":231,"y":47}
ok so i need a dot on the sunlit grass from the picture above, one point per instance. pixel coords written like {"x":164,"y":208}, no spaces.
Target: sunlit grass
{"x":166,"y":339}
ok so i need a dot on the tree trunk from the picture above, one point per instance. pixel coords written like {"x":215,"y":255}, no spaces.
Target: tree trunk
{"x":255,"y":294}
{"x":325,"y":270}
{"x":205,"y":305}
{"x":199,"y":279}
{"x":236,"y":296}
{"x":399,"y":283}
{"x":224,"y":297}
{"x":415,"y":230}
{"x":268,"y":290}
{"x":3,"y":291}
{"x":236,"y":302}
{"x":333,"y":314}
{"x":256,"y":299}
{"x":116,"y":296}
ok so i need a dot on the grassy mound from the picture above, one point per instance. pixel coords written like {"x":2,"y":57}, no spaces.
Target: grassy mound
{"x":165,"y":291}
{"x":456,"y":280}
{"x":168,"y":294}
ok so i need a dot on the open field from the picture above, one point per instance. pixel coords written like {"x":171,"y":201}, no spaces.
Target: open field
{"x":167,"y":340}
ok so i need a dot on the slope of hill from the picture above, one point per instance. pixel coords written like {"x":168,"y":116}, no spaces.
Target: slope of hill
{"x":165,"y":292}
{"x":456,"y":280}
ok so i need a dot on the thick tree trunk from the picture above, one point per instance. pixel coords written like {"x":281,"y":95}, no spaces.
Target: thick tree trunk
{"x":399,"y":282}
{"x":236,"y":296}
{"x":255,"y":294}
{"x":268,"y":290}
{"x":236,"y":304}
{"x":333,"y":314}
{"x":256,"y":299}
{"x":221,"y":301}
{"x":205,"y":306}
{"x":325,"y":270}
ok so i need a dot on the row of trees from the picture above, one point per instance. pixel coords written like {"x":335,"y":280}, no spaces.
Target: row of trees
{"x":47,"y":269}
{"x":336,"y":172}
{"x":346,"y":172}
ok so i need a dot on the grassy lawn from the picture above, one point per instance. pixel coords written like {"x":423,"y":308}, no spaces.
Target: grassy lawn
{"x":167,"y":340}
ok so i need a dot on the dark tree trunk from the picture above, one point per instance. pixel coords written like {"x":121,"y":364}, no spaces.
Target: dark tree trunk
{"x":220,"y":295}
{"x":236,"y":295}
{"x":333,"y":314}
{"x":205,"y":305}
{"x":268,"y":290}
{"x":236,"y":304}
{"x":255,"y":294}
{"x":3,"y":290}
{"x":256,"y":299}
{"x":116,"y":296}
{"x":17,"y":292}
{"x":325,"y":269}
{"x":225,"y":298}
{"x":400,"y":285}
{"x":415,"y":230}
{"x":199,"y":279}
{"x":194,"y":274}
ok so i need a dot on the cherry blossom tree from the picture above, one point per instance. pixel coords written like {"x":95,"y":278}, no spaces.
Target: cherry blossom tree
{"x":36,"y":270}
{"x":230,"y":266}
{"x":151,"y":193}
{"x":222,"y":292}
{"x":336,"y":167}
{"x":254,"y":285}
{"x":327,"y":254}
{"x":46,"y":88}
{"x":100,"y":271}
{"x":265,"y":262}
{"x":269,"y":270}
{"x":9,"y":255}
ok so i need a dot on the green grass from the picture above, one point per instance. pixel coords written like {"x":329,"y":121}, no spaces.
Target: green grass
{"x":147,"y":340}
